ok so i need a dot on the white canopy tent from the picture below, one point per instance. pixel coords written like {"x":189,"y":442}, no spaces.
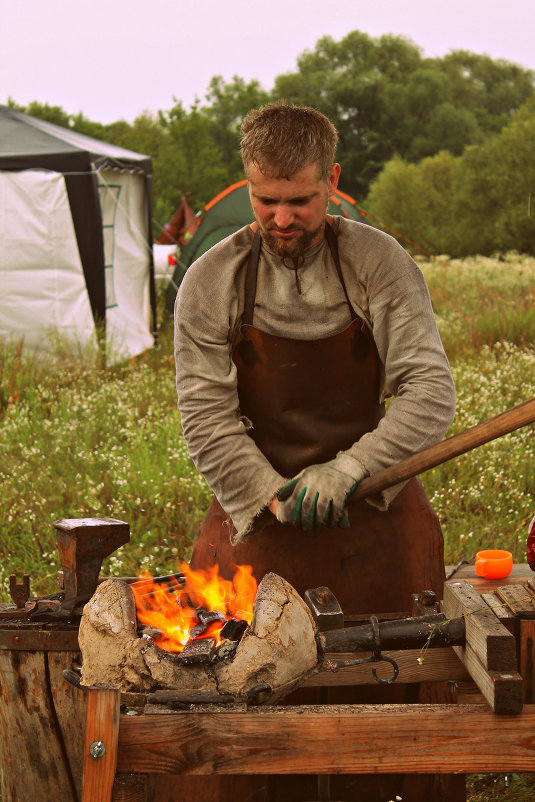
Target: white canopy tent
{"x":75,"y":227}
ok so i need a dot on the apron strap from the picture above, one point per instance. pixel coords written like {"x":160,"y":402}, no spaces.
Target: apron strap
{"x":250,"y":279}
{"x":332,"y":242}
{"x":252,"y":273}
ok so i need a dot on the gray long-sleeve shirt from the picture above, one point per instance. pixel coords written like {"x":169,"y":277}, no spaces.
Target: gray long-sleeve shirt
{"x":386,"y":289}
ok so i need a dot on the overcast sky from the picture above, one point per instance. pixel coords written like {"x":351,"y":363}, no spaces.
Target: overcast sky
{"x":113,"y":59}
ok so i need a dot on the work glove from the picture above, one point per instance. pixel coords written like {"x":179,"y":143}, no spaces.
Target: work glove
{"x":316,"y":497}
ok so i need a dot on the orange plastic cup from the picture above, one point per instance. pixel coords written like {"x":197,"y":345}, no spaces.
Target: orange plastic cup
{"x":494,"y":563}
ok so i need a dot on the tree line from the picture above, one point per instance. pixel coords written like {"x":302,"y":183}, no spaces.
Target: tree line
{"x":437,"y":149}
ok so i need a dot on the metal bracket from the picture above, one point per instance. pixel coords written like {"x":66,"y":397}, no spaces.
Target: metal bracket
{"x":19,"y":592}
{"x":375,"y":657}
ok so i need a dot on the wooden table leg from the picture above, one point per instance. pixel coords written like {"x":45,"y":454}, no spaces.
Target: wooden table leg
{"x":100,"y":743}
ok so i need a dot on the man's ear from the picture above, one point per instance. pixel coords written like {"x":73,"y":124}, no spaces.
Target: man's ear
{"x":333,"y":178}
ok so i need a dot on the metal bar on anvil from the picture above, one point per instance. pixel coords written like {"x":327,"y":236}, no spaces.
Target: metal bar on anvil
{"x":408,"y":633}
{"x":140,"y":581}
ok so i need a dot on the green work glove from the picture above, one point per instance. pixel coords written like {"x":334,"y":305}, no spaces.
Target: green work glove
{"x":316,"y":497}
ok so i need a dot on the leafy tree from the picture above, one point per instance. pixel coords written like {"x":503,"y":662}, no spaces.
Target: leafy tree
{"x":189,"y":160}
{"x":492,"y":89}
{"x":386,"y":99}
{"x":414,"y":201}
{"x":495,"y":190}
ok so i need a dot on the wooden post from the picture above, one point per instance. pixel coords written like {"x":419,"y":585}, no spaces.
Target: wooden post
{"x":527,"y":658}
{"x":100,"y":743}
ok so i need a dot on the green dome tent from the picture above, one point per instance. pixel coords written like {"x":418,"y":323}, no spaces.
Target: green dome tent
{"x":225,"y":214}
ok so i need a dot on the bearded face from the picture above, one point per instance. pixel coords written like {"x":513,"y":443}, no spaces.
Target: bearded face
{"x":290,"y":246}
{"x":291,"y":212}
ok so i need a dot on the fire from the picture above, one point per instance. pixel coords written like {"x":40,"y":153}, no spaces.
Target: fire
{"x":173,"y":607}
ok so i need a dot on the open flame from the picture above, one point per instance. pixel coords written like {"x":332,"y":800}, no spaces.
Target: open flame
{"x":173,"y":608}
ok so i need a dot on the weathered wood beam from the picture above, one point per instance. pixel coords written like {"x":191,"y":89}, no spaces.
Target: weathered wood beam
{"x":437,"y":665}
{"x":518,"y":599}
{"x":361,"y":739}
{"x":493,"y":644}
{"x":490,"y":651}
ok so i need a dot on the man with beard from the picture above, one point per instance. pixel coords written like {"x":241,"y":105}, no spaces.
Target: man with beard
{"x":289,"y":336}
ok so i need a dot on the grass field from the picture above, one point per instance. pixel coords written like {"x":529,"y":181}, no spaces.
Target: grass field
{"x":80,"y":440}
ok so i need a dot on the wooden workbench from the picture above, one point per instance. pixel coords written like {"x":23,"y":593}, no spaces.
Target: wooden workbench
{"x":407,"y":738}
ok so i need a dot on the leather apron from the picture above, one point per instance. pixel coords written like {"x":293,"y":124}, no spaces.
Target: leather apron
{"x":307,"y":400}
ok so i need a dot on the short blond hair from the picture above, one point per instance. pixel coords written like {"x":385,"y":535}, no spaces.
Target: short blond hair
{"x":282,"y":139}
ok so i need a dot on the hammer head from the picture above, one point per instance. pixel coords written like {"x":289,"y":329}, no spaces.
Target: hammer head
{"x":325,"y":609}
{"x":83,"y":543}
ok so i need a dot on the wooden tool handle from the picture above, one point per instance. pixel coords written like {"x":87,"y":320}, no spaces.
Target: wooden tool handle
{"x":508,"y":421}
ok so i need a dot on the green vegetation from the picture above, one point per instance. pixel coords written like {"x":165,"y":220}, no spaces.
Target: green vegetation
{"x":78,"y":439}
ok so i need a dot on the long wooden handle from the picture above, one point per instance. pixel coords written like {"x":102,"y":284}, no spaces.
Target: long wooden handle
{"x":460,"y":443}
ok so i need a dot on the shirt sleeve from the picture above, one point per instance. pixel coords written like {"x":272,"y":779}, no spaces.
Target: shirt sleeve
{"x":206,"y":310}
{"x":397,"y":307}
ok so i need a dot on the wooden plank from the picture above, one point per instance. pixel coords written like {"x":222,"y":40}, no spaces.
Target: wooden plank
{"x":494,"y":646}
{"x":519,"y":600}
{"x":521,"y":573}
{"x":503,"y":691}
{"x":360,"y":738}
{"x":102,"y":726}
{"x":527,"y":659}
{"x":494,"y":603}
{"x":467,"y":693}
{"x":40,"y":725}
{"x":70,"y":708}
{"x":438,"y":665}
{"x":130,"y":788}
{"x":502,"y":613}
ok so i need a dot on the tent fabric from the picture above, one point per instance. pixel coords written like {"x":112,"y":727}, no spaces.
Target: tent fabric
{"x":40,"y":300}
{"x":227,"y":212}
{"x":84,"y":166}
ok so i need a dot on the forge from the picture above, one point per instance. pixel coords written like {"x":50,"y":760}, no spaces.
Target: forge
{"x":274,"y":654}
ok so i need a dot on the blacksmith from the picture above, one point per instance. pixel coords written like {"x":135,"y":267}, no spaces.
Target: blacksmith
{"x":290,"y":335}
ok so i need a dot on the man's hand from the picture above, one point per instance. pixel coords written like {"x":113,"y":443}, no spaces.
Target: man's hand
{"x":316,"y":497}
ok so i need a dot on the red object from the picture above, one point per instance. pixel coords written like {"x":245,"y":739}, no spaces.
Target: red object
{"x":494,"y":563}
{"x":531,"y":545}
{"x":176,"y":229}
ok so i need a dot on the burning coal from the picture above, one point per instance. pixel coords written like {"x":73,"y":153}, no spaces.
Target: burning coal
{"x":195,"y":605}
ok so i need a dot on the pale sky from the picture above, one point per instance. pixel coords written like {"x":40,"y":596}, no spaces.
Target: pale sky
{"x":112,"y":59}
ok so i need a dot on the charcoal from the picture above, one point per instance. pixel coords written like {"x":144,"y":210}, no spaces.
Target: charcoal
{"x":198,"y":629}
{"x":233,"y":629}
{"x":210,"y":616}
{"x":197,"y":651}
